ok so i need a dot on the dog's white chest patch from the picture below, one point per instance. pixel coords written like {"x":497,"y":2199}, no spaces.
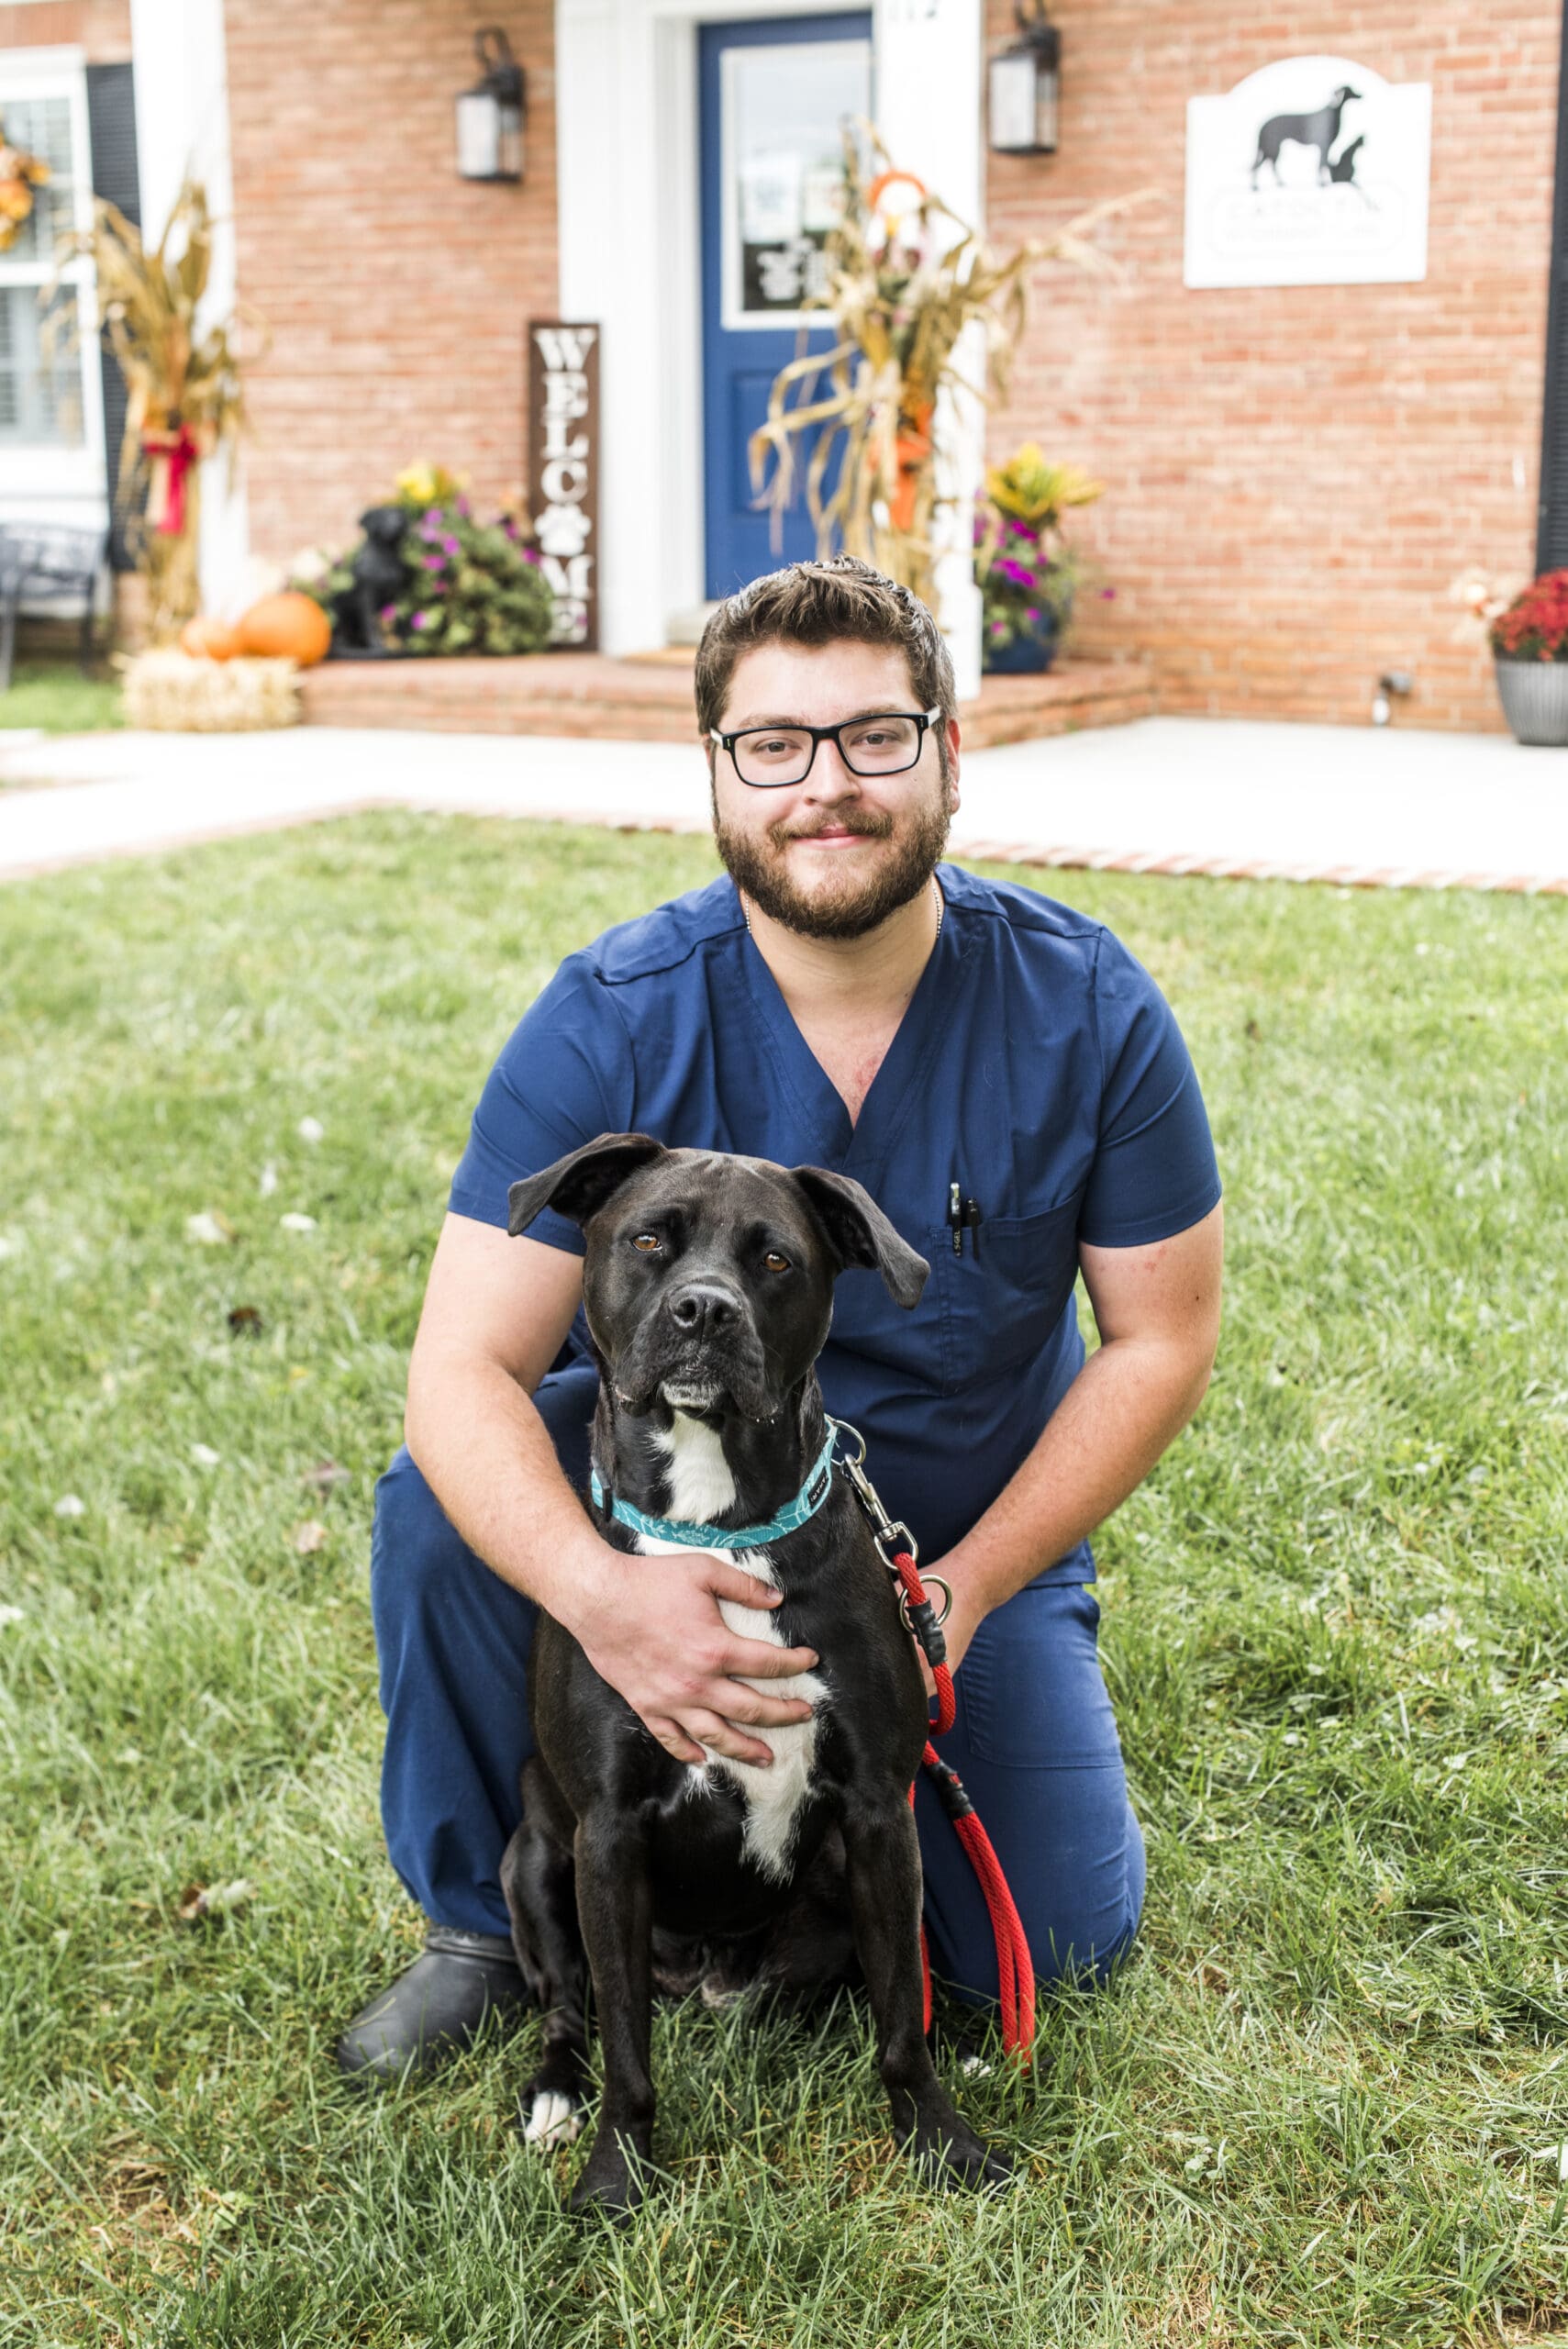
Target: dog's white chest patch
{"x":701,"y":1486}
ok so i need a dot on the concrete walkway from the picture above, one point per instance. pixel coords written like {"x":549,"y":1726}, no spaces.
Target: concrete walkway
{"x":1168,"y":794}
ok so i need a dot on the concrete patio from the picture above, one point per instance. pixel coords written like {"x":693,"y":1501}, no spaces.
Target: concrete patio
{"x":1229,"y":798}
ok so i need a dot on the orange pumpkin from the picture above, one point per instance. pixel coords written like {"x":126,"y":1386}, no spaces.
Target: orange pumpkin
{"x":289,"y":627}
{"x":209,"y":639}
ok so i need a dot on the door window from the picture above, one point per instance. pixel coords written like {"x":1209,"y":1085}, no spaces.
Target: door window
{"x":784,"y":112}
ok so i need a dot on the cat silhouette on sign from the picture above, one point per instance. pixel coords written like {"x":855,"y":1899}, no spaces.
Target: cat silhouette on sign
{"x":1342,"y":170}
{"x":1318,"y":129}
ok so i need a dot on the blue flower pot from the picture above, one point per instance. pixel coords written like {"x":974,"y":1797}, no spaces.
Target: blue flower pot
{"x":1027,"y":656}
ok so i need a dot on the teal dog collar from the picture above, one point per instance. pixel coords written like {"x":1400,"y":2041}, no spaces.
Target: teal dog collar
{"x":689,"y":1535}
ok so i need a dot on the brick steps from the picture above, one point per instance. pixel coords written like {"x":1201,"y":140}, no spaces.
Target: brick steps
{"x":1073,"y":695}
{"x":590,"y":697}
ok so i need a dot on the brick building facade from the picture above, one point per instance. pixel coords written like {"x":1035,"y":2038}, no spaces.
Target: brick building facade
{"x":1295,"y":474}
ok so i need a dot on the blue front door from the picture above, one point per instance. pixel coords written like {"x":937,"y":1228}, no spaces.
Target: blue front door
{"x":773,"y":97}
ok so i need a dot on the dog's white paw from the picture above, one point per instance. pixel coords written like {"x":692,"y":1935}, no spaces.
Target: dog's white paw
{"x":717,"y":1997}
{"x":552,"y":2120}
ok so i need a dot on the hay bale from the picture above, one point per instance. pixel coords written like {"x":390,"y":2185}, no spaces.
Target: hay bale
{"x":169,"y":692}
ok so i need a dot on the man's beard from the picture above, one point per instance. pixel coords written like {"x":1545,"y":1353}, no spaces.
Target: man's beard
{"x":848,"y":908}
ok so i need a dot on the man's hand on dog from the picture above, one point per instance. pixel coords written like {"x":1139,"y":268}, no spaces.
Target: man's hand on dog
{"x":661,"y":1642}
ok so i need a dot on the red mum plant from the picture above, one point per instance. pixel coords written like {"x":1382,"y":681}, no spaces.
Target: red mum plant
{"x":1535,"y":624}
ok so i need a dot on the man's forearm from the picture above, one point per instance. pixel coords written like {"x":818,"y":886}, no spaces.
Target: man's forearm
{"x":487,"y":1456}
{"x":1127,"y":1405}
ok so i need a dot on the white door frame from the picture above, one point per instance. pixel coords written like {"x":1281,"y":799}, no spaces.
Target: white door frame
{"x":627,"y":164}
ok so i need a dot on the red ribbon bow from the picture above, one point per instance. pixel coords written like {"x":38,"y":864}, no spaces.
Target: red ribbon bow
{"x":173,"y":454}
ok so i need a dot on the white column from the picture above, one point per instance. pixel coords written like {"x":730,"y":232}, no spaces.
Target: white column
{"x":181,"y":129}
{"x":608,"y":170}
{"x":928,"y":55}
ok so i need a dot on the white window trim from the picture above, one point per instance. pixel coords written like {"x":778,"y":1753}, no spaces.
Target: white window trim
{"x":41,"y":478}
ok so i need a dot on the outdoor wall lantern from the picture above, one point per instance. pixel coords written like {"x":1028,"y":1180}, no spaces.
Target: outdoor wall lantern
{"x":490,"y":116}
{"x":1024,"y":83}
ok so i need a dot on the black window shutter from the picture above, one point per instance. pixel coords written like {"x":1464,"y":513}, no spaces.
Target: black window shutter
{"x":1551,"y":525}
{"x":111,"y":125}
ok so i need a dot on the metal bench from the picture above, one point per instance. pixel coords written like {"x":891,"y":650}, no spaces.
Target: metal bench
{"x":46,"y":561}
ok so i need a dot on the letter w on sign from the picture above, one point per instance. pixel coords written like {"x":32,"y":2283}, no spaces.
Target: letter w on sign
{"x":566,"y":349}
{"x":563,"y":471}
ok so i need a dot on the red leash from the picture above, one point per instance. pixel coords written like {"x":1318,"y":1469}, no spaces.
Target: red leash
{"x":1014,"y":1967}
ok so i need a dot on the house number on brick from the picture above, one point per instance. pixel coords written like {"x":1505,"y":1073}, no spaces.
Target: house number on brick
{"x":564,"y":479}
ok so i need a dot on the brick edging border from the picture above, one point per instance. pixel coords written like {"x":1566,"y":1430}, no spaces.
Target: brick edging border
{"x":1195,"y":865}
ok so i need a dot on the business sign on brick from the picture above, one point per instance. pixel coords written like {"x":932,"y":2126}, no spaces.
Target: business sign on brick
{"x":563,"y":471}
{"x":1312,"y":172}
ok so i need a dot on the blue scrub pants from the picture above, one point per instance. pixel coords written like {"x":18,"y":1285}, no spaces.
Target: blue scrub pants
{"x":1035,"y":1742}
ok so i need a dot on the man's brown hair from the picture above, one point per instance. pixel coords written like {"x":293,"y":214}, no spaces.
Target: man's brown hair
{"x":841,"y":601}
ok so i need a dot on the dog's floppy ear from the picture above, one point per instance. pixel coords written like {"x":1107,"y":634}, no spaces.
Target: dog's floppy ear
{"x":577,"y":1185}
{"x":862,"y":1233}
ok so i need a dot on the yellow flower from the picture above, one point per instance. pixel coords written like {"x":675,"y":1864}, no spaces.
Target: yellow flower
{"x":1032,"y":490}
{"x":426,"y":485}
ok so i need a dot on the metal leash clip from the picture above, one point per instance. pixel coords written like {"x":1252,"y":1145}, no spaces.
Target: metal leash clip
{"x":890,"y":1535}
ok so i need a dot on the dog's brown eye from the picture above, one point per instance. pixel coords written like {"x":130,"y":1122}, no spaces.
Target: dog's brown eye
{"x":775,"y":1263}
{"x":647,"y":1241}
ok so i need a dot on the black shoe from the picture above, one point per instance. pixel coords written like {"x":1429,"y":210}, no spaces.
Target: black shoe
{"x":431,"y":2012}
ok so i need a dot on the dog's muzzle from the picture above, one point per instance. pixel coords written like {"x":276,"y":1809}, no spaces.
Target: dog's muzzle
{"x":699,"y":1347}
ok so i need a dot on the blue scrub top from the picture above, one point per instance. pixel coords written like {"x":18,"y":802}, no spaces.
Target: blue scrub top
{"x":1038,"y":1066}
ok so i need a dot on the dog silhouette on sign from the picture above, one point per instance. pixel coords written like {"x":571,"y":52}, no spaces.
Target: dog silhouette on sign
{"x":1319,"y":130}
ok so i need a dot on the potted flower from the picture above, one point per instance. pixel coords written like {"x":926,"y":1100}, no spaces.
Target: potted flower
{"x":1530,"y":645}
{"x":1027,"y":573}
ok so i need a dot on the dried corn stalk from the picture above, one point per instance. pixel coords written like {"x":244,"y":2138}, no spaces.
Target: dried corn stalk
{"x":902,"y":294}
{"x":185,"y":398}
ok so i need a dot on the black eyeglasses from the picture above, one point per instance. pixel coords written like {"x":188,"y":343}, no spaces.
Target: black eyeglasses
{"x":769,"y":756}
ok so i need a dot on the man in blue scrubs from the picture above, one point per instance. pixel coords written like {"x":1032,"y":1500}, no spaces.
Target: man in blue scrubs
{"x":1011,"y":1087}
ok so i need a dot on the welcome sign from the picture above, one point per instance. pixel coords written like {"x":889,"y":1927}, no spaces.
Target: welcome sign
{"x":1312,"y":172}
{"x":563,"y":477}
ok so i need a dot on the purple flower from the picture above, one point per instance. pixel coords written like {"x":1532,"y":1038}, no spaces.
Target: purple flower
{"x":432,"y":518}
{"x":1016,"y":572}
{"x":998,"y":627}
{"x":463,"y":507}
{"x":434,"y":562}
{"x":1032,"y":616}
{"x":530,"y":554}
{"x":387,"y":614}
{"x":1107,"y":595}
{"x":450,"y":546}
{"x":420,"y":620}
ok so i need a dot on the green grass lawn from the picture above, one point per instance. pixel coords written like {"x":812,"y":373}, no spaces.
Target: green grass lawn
{"x":55,"y":695}
{"x":1312,"y":2109}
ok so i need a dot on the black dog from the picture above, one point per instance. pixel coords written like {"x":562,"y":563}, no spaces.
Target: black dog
{"x":379,"y":576}
{"x":708,"y":1288}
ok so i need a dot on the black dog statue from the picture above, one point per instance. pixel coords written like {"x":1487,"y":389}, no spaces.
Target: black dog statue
{"x":379,"y":576}
{"x":708,"y":1291}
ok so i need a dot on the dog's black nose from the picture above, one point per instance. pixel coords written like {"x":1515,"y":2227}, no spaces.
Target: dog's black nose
{"x":702,"y":1309}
